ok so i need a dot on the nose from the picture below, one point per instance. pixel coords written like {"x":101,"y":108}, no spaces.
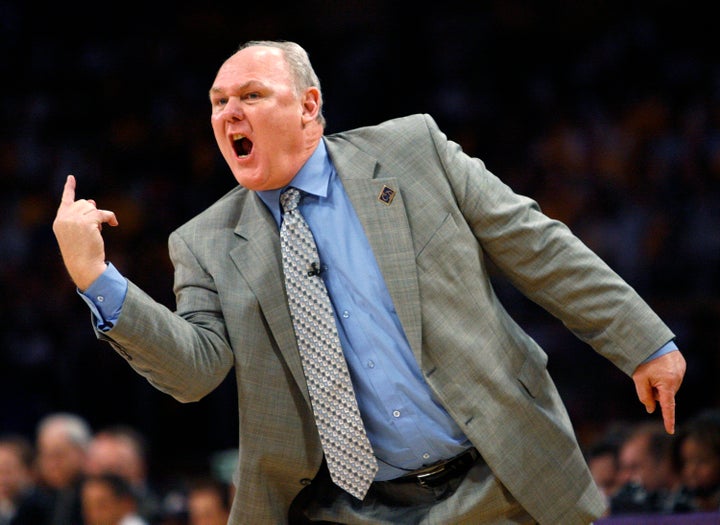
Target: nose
{"x":232,"y":110}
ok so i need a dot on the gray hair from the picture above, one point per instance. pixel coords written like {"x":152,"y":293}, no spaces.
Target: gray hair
{"x":75,"y":428}
{"x":301,"y":69}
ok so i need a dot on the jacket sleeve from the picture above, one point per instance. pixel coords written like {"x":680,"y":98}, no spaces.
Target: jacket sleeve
{"x":549,"y":264}
{"x":184,"y":353}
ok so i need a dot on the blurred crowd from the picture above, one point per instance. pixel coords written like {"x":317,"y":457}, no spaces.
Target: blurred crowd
{"x":642,"y":469}
{"x":607,"y":113}
{"x":72,"y":474}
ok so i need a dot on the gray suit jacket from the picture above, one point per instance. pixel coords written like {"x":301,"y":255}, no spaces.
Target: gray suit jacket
{"x":449,"y":216}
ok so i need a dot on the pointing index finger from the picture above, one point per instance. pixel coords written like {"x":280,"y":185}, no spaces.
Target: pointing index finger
{"x":68,"y":195}
{"x":667,"y":405}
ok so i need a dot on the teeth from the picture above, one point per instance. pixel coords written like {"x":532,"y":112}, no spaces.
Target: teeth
{"x":241,"y":144}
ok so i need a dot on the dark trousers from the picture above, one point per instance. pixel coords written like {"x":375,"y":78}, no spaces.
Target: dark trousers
{"x":473,"y":498}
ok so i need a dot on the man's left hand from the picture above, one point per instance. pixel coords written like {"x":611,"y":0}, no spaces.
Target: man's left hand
{"x":659,"y":380}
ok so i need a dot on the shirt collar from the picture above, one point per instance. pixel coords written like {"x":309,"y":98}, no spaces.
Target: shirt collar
{"x":313,"y":178}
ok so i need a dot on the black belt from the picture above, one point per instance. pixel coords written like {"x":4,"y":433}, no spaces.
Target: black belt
{"x":440,"y":473}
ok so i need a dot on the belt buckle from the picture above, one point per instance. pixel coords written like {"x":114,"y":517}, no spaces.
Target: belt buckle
{"x":424,"y":479}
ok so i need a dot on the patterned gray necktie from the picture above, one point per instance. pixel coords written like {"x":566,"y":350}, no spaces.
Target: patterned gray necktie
{"x":348,"y":452}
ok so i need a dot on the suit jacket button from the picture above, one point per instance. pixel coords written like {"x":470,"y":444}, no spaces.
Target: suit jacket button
{"x":305,"y":481}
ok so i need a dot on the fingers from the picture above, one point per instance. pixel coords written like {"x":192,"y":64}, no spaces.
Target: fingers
{"x":108,"y":217}
{"x":667,"y":404}
{"x":68,"y":199}
{"x":658,"y":380}
{"x":101,"y":217}
{"x":78,"y":229}
{"x":649,"y":396}
{"x":645,"y":394}
{"x":666,"y":390}
{"x":68,"y":195}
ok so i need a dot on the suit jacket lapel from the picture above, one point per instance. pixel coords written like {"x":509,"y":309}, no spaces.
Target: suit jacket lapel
{"x":258,"y":259}
{"x":386,"y":226}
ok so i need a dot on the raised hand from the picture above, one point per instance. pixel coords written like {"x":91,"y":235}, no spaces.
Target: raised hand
{"x":77,"y":227}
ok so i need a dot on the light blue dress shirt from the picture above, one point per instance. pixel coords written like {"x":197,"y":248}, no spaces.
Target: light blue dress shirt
{"x":407,"y":426}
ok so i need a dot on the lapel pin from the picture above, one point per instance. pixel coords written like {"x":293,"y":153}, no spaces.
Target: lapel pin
{"x":386,"y":195}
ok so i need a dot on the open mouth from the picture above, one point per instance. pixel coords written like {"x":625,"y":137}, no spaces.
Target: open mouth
{"x":242,"y":145}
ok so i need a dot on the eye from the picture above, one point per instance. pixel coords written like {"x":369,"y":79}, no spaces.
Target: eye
{"x":220,"y":101}
{"x":252,"y":95}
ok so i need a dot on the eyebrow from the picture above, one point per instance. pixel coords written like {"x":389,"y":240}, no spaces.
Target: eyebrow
{"x":249,"y":83}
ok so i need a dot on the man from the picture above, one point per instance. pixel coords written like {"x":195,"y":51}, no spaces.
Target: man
{"x":647,"y":474}
{"x":121,"y":450}
{"x":208,"y":502}
{"x":403,"y":222}
{"x":62,"y":442}
{"x":602,"y":460}
{"x":108,"y":499}
{"x":645,"y":457}
{"x":16,"y":474}
{"x":697,"y":453}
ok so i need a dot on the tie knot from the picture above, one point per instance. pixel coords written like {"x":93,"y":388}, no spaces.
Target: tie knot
{"x":290,"y":199}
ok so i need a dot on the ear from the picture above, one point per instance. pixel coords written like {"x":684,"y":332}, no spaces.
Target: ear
{"x":310,"y":104}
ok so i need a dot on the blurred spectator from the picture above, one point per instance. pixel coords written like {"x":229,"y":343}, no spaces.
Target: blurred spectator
{"x":649,"y":480}
{"x":697,"y":450}
{"x":16,"y":474}
{"x":604,"y":463}
{"x":122,"y":450}
{"x":22,"y":502}
{"x":208,"y":502}
{"x":108,"y":499}
{"x":62,"y":442}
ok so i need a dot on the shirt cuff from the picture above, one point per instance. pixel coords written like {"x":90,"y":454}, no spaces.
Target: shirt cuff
{"x":105,"y":297}
{"x":664,"y":349}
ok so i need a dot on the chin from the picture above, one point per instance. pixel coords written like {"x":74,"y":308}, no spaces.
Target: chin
{"x":251,"y":183}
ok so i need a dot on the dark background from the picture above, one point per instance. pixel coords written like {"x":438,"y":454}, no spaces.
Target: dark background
{"x":607,"y":113}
